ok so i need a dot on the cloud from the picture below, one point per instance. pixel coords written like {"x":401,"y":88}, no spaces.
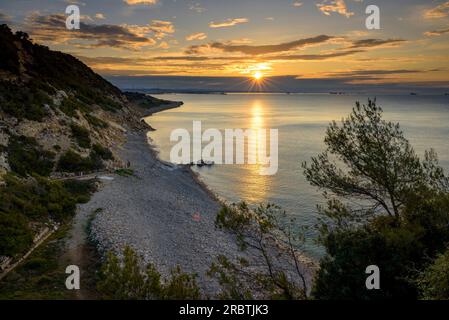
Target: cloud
{"x":308,"y":57}
{"x":162,"y":28}
{"x":52,"y":29}
{"x":197,"y":7}
{"x":196,"y":36}
{"x":228,"y":23}
{"x":440,"y":11}
{"x":370,"y":43}
{"x":140,"y":2}
{"x":338,"y":6}
{"x":4,"y":18}
{"x":297,"y":4}
{"x":436,"y":32}
{"x":261,"y":49}
{"x":100,"y":16}
{"x":359,"y":74}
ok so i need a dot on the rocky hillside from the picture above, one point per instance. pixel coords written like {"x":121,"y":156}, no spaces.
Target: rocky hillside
{"x":57,"y":118}
{"x":57,"y":115}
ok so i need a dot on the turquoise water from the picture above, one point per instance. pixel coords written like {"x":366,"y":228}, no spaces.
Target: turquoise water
{"x":301,"y":120}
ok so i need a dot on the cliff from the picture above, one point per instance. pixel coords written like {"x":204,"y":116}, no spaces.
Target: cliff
{"x":56,"y":114}
{"x":58,"y":119}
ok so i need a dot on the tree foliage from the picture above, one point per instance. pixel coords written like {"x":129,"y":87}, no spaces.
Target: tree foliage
{"x":126,"y":279}
{"x":385,"y":207}
{"x":35,"y":200}
{"x":259,"y":231}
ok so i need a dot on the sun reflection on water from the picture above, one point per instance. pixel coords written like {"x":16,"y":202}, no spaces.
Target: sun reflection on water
{"x":255,"y":187}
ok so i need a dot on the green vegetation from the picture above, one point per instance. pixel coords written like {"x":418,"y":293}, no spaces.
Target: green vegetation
{"x":25,"y":100}
{"x":434,"y":280}
{"x":70,"y":105}
{"x":26,"y":157}
{"x":95,"y":122}
{"x":386,"y":207}
{"x":102,"y":152}
{"x":124,"y":279}
{"x":71,"y":161}
{"x":125,"y":172}
{"x":35,"y":200}
{"x":42,"y":275}
{"x":81,"y":135}
{"x":144,"y":101}
{"x":46,"y":72}
{"x":260,"y":230}
{"x":9,"y":58}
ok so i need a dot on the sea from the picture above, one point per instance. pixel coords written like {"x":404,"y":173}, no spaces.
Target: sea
{"x":301,"y":121}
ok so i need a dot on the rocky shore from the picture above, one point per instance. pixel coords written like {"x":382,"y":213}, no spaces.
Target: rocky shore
{"x":162,"y":212}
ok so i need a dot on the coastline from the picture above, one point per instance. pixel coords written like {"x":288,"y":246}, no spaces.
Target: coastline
{"x":162,"y":211}
{"x":166,"y":213}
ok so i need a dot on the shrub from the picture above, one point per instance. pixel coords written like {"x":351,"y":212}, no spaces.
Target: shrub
{"x":71,"y":161}
{"x":386,"y":207}
{"x":434,"y":280}
{"x":125,"y":279}
{"x":16,"y":235}
{"x":81,"y":135}
{"x":94,"y":121}
{"x":103,"y":152}
{"x":24,"y":100}
{"x":26,"y":157}
{"x":36,"y":199}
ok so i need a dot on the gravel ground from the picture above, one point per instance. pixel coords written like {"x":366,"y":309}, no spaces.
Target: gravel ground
{"x":162,"y":212}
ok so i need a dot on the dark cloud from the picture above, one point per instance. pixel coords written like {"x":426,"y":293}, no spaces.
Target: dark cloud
{"x":370,"y":43}
{"x":226,"y":59}
{"x":262,"y":49}
{"x":52,"y":28}
{"x":436,"y":32}
{"x":378,"y":73}
{"x":323,"y":56}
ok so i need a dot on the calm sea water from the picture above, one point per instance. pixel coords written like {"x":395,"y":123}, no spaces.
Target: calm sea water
{"x":301,"y":120}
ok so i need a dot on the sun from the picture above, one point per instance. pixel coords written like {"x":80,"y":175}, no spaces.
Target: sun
{"x":257,"y":75}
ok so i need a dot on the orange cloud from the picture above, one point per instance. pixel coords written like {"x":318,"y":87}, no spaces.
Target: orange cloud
{"x":228,"y":23}
{"x":440,"y":11}
{"x":196,"y":36}
{"x":338,"y":6}
{"x":138,"y":2}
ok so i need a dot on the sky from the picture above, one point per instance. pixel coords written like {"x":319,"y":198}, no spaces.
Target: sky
{"x":293,"y":44}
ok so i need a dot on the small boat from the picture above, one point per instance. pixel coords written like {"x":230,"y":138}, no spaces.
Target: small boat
{"x":202,"y":163}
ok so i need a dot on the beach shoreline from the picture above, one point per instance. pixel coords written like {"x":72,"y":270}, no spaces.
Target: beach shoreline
{"x":165,"y":212}
{"x":162,"y":211}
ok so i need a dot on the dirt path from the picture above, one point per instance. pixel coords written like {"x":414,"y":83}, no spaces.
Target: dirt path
{"x":81,"y":253}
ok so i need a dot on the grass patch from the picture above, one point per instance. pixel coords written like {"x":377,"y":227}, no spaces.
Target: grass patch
{"x":125,"y":172}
